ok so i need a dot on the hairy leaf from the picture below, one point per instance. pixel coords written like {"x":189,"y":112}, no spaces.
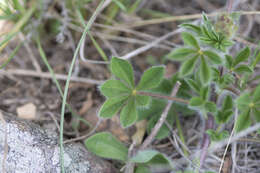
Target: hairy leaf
{"x":205,"y":72}
{"x":196,"y":101}
{"x":180,"y":54}
{"x":228,"y":103}
{"x":256,"y":96}
{"x":243,"y":55}
{"x":112,"y":106}
{"x":243,"y":101}
{"x":151,"y":78}
{"x":243,"y":69}
{"x":188,"y":66}
{"x":213,"y":57}
{"x":190,"y":40}
{"x":152,"y":157}
{"x":256,"y":114}
{"x":224,"y":116}
{"x":256,"y":61}
{"x":123,"y":70}
{"x":204,"y":92}
{"x":144,"y":156}
{"x":128,"y":114}
{"x":192,"y":27}
{"x":210,"y":107}
{"x":193,"y":85}
{"x":114,"y":88}
{"x":243,"y":120}
{"x":106,"y":145}
{"x":229,"y":61}
{"x":142,"y":100}
{"x":142,"y":169}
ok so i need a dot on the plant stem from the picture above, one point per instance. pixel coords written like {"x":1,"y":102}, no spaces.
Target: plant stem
{"x":178,"y":18}
{"x":206,"y":139}
{"x":64,"y":99}
{"x":159,"y":123}
{"x":178,"y":124}
{"x":218,"y":128}
{"x":172,"y":98}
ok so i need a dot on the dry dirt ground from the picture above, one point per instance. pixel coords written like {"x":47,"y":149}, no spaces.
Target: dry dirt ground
{"x":22,"y":83}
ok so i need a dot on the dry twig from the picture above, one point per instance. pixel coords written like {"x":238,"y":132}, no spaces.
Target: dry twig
{"x":160,"y":122}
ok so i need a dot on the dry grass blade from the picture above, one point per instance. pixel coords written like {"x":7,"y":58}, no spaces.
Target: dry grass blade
{"x":32,"y":73}
{"x":149,"y":46}
{"x":179,"y":18}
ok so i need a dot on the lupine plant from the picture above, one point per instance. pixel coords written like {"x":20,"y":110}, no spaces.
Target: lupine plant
{"x":214,"y":84}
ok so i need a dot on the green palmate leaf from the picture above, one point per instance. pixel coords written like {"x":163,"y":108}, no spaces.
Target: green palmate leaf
{"x":192,"y":27}
{"x":243,"y":55}
{"x":114,"y":88}
{"x":106,"y":145}
{"x":243,"y":120}
{"x":193,"y":85}
{"x":243,"y":101}
{"x":180,"y":54}
{"x":204,"y":92}
{"x":229,"y":61}
{"x":142,"y":100}
{"x":188,"y":66}
{"x":210,"y":107}
{"x":256,"y":96}
{"x":217,"y":136}
{"x":128,"y":114}
{"x":155,"y":109}
{"x":228,"y":103}
{"x":205,"y":72}
{"x":189,"y":40}
{"x":256,"y":113}
{"x":213,"y":57}
{"x":224,"y":116}
{"x":123,"y":70}
{"x":112,"y":106}
{"x":243,"y":69}
{"x":256,"y":61}
{"x":196,"y":101}
{"x":151,"y":78}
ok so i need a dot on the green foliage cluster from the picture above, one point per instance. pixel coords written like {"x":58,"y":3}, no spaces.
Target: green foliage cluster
{"x":122,"y":94}
{"x":207,"y":72}
{"x":106,"y":145}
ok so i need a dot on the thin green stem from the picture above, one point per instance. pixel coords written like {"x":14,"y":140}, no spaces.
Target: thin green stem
{"x":180,"y":132}
{"x":12,"y":55}
{"x":218,"y":128}
{"x":89,"y":24}
{"x":44,"y":59}
{"x":99,"y":49}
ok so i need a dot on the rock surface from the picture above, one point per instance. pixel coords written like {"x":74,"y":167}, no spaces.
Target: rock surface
{"x":31,"y":149}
